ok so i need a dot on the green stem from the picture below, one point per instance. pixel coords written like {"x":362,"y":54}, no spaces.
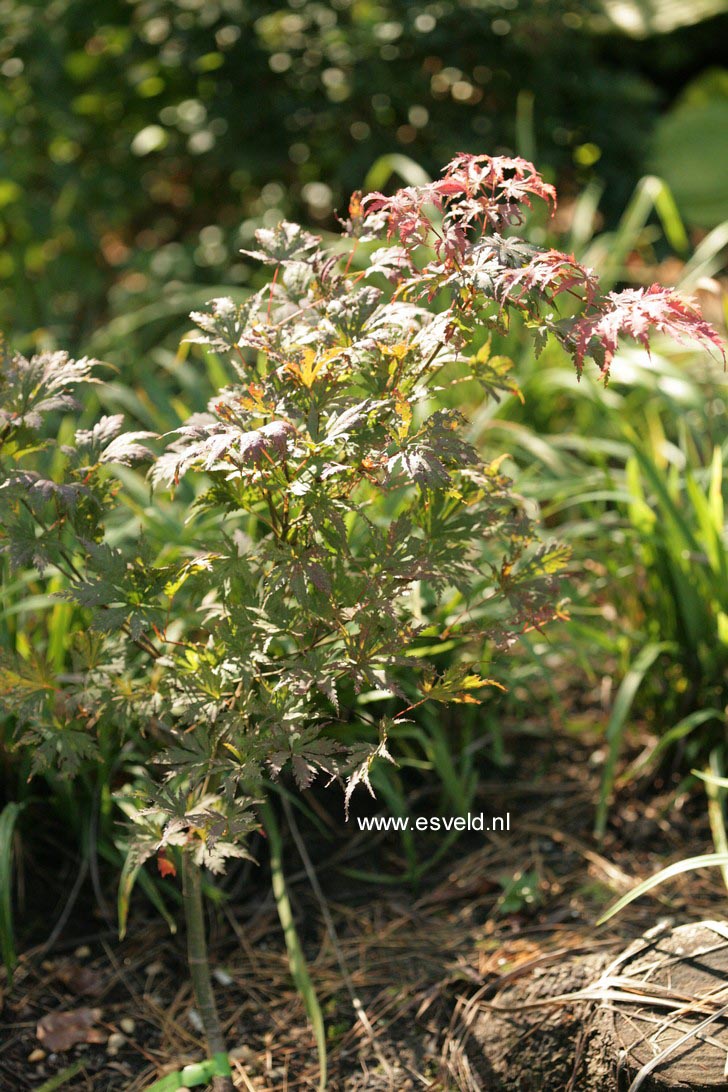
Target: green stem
{"x":199,"y":965}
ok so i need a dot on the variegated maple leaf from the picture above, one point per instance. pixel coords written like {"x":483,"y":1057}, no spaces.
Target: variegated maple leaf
{"x":638,"y":312}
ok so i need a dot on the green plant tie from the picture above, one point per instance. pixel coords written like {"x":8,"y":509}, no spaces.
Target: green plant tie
{"x":194,"y":1074}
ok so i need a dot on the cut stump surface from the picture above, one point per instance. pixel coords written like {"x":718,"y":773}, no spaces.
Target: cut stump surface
{"x":679,"y":1031}
{"x":654,"y":1019}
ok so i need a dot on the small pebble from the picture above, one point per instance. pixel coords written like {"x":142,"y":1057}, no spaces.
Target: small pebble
{"x":83,"y":952}
{"x":153,"y":968}
{"x":222,"y":977}
{"x":114,"y":1043}
{"x":36,"y":1056}
{"x":127,"y":1025}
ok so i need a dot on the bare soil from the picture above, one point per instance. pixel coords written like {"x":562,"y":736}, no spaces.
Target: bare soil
{"x":432,"y":966}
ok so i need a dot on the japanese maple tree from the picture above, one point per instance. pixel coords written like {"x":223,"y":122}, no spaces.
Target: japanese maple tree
{"x":342,"y":519}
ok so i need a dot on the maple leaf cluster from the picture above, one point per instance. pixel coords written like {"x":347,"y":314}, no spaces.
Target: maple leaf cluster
{"x":462,"y":216}
{"x":475,"y":192}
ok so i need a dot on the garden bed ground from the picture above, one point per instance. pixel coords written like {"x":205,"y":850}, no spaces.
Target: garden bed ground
{"x":426,"y":965}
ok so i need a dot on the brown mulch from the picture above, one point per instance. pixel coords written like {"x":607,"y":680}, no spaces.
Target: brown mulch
{"x":401,"y":978}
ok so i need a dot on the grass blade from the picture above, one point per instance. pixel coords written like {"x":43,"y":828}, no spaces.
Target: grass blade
{"x":383,"y":168}
{"x":296,"y":958}
{"x":716,"y":796}
{"x":618,"y":722}
{"x":706,"y":860}
{"x":584,"y":217}
{"x":127,"y":879}
{"x":651,"y":194}
{"x":8,"y":818}
{"x":672,"y":513}
{"x":711,"y":779}
{"x":678,"y":731}
{"x":707,"y":258}
{"x":525,"y":132}
{"x":63,"y":1077}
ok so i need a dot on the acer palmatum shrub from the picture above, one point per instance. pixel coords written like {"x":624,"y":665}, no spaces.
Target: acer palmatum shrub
{"x":342,"y":519}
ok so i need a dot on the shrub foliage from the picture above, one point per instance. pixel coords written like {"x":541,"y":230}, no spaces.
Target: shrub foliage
{"x":341,"y":519}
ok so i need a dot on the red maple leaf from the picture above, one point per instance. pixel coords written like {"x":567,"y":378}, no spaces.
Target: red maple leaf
{"x":551,"y":273}
{"x":165,"y":866}
{"x":638,"y":312}
{"x":499,"y":184}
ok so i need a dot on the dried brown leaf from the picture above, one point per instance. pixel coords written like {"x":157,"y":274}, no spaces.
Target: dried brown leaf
{"x":81,"y":980}
{"x":62,"y":1030}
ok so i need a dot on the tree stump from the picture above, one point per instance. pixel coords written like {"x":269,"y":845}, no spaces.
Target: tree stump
{"x":655,"y":1019}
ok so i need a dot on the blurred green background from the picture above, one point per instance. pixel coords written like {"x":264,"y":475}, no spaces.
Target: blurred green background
{"x":142,"y":141}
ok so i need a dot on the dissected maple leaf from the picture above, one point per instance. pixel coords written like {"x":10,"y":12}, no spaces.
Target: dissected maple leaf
{"x":549,"y":273}
{"x":361,"y":774}
{"x":126,"y":449}
{"x":32,"y":388}
{"x":206,"y":443}
{"x":105,"y":430}
{"x":404,"y":212}
{"x":637,"y":312}
{"x":286,"y":242}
